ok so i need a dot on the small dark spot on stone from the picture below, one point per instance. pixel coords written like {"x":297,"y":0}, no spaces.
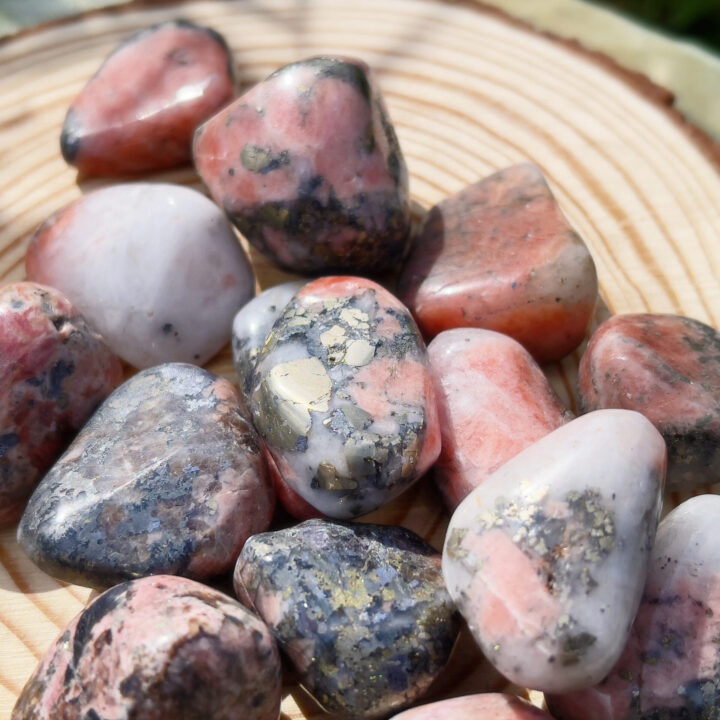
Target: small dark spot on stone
{"x":58,"y":322}
{"x":7,"y":441}
{"x":167,"y":328}
{"x":231,"y":171}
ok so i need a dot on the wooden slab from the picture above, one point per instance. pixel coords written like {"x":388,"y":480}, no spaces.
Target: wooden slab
{"x":469,"y":92}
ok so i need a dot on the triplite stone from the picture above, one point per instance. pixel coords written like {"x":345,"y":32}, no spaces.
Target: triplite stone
{"x":500,"y":255}
{"x":156,"y":268}
{"x":668,"y":368}
{"x":361,"y":611}
{"x":157,"y":648}
{"x":140,"y":109}
{"x":166,"y":477}
{"x":547,"y":558}
{"x":670,"y":669}
{"x":54,"y":371}
{"x":493,"y":401}
{"x":343,"y":396}
{"x":489,"y":706}
{"x":308,"y":166}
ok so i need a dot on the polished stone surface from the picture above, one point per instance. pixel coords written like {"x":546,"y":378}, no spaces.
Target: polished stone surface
{"x":493,"y":401}
{"x":167,"y":477}
{"x":547,"y":558}
{"x":153,"y":649}
{"x":488,"y":706}
{"x":670,"y":669}
{"x":361,"y":611}
{"x":668,"y":368}
{"x":344,"y":398}
{"x":308,"y":166}
{"x":156,"y":268}
{"x":139,"y":111}
{"x":500,"y":255}
{"x":54,"y":371}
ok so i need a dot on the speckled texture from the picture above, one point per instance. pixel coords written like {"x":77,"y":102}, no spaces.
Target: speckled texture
{"x":500,"y":255}
{"x":156,"y":268}
{"x":344,"y":398}
{"x":670,"y":669}
{"x":361,"y":611}
{"x":167,"y":477}
{"x":54,"y":371}
{"x":308,"y":167}
{"x":490,"y":706}
{"x":668,"y":368}
{"x":140,"y":109}
{"x":547,"y":558}
{"x":154,"y":649}
{"x":493,"y":402}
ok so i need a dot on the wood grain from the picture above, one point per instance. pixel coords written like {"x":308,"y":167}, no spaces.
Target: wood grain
{"x":469,"y":93}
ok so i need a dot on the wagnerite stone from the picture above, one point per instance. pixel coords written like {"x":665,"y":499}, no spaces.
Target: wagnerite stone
{"x":156,"y":268}
{"x":500,"y":255}
{"x":670,"y":669}
{"x":252,"y":324}
{"x":361,"y":611}
{"x":547,"y":558}
{"x":54,"y":371}
{"x":308,"y":166}
{"x":140,"y":109}
{"x":157,"y":648}
{"x":166,"y":477}
{"x":343,"y":396}
{"x":668,"y":368}
{"x":493,"y":401}
{"x":490,"y":706}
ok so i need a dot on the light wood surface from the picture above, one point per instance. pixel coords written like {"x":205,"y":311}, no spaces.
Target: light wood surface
{"x":469,"y":92}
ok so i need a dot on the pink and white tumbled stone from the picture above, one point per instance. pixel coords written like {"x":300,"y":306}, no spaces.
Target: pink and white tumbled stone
{"x":493,"y":401}
{"x":547,"y":558}
{"x":670,"y":669}
{"x":156,"y":268}
{"x":495,"y":706}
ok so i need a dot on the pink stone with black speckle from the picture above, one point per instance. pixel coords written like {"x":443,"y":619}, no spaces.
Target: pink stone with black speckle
{"x":54,"y":371}
{"x":153,"y":649}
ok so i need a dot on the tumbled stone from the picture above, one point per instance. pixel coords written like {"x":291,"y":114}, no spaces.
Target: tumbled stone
{"x":157,"y":648}
{"x":308,"y":166}
{"x":361,"y":611}
{"x":668,"y":368}
{"x":54,"y":371}
{"x":493,"y":401}
{"x":156,"y":268}
{"x":670,"y":669}
{"x":343,"y":396}
{"x":166,"y":477}
{"x":547,"y":558}
{"x":495,"y":706}
{"x":500,"y":255}
{"x":251,"y":327}
{"x":140,"y":109}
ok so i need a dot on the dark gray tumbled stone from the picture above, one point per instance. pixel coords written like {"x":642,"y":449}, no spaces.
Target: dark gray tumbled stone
{"x":167,"y":477}
{"x":361,"y":610}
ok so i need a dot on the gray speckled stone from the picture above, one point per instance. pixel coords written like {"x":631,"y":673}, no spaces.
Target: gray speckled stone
{"x":361,"y":610}
{"x":167,"y":477}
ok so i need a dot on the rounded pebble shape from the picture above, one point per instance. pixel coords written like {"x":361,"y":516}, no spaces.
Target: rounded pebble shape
{"x":490,"y":706}
{"x":252,"y":325}
{"x":167,"y":477}
{"x":493,"y":402}
{"x":308,"y":167}
{"x":666,"y":367}
{"x":139,"y":111}
{"x":55,"y":370}
{"x":361,"y":611}
{"x":156,"y":268}
{"x":343,"y":396}
{"x":500,"y":255}
{"x":157,"y":648}
{"x":547,"y":559}
{"x":670,"y":669}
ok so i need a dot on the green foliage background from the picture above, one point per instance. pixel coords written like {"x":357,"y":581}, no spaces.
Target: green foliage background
{"x":697,"y":20}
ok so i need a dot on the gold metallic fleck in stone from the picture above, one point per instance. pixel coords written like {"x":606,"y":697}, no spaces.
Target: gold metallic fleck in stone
{"x":359,"y":353}
{"x":334,"y":336}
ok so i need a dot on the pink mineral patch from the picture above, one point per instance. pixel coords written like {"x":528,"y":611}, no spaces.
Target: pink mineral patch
{"x":476,"y":707}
